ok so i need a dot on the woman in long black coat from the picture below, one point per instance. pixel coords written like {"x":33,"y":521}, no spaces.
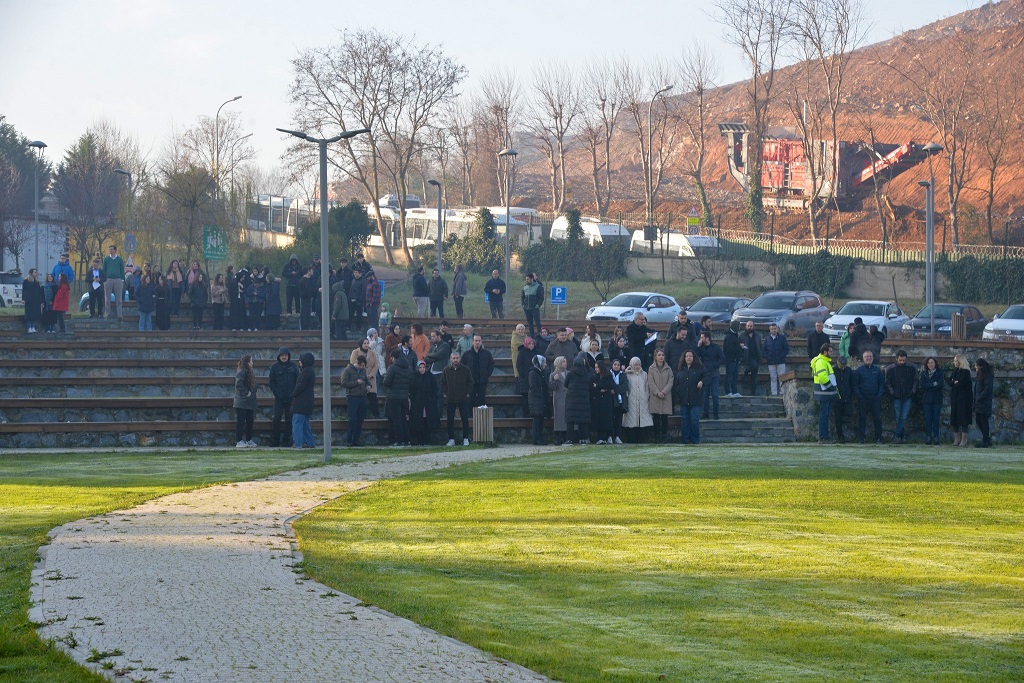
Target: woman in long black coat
{"x":32,"y":296}
{"x":162,"y":317}
{"x":577,"y":399}
{"x":983,"y":388}
{"x":524,"y":361}
{"x":539,"y":398}
{"x":602,"y":400}
{"x":961,"y":400}
{"x":424,"y":415}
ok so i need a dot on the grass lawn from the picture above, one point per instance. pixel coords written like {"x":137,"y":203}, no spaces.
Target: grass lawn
{"x":39,"y":492}
{"x":787,"y":563}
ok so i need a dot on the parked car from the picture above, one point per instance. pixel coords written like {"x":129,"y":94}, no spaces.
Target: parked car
{"x":720,"y":308}
{"x":885,"y":314}
{"x":943,"y":315}
{"x":791,"y":311}
{"x":1006,"y":326}
{"x":659,"y":308}
{"x":10,"y":288}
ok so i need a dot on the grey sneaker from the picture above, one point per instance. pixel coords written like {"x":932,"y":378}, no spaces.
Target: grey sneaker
{"x":465,"y":442}
{"x":251,"y":444}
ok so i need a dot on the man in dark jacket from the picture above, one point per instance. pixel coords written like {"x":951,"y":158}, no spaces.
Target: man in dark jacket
{"x":438,"y":293}
{"x":677,"y":345}
{"x":283,"y":376}
{"x":532,"y":297}
{"x":637,"y":334}
{"x":750,"y":345}
{"x":711,"y":357}
{"x":353,"y":381}
{"x":868,"y":387}
{"x":420,"y":293}
{"x":494,"y":289}
{"x":357,"y":300}
{"x":841,"y":404}
{"x":860,"y":339}
{"x":344,"y":274}
{"x":816,"y":339}
{"x":901,"y":383}
{"x":560,"y":347}
{"x":302,"y":402}
{"x":481,"y":363}
{"x":291,"y":275}
{"x":776,"y":348}
{"x":733,"y":356}
{"x":457,"y":384}
{"x":397,"y":380}
{"x":459,"y":290}
{"x":683,"y":320}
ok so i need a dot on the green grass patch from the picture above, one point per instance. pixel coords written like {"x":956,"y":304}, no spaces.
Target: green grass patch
{"x":782,"y":563}
{"x":41,"y":491}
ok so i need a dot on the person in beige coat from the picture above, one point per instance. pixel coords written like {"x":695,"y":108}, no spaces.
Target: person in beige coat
{"x":659,"y":395}
{"x":372,"y":365}
{"x":637,"y":418}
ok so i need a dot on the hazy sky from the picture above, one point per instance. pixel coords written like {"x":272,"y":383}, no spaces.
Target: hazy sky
{"x":152,"y":65}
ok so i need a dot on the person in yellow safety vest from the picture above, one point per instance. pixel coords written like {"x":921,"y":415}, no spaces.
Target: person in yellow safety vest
{"x":824,"y":388}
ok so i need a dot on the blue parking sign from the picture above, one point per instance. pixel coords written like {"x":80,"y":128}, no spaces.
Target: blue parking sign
{"x":558,"y":296}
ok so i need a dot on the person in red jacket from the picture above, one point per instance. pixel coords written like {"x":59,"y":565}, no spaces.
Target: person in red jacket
{"x":61,"y":300}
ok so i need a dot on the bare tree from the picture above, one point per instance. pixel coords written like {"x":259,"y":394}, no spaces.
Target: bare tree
{"x":698,"y":105}
{"x":463,"y":130}
{"x":866,"y":121}
{"x":383,"y":82}
{"x":760,"y":30}
{"x":998,"y":121}
{"x":602,"y":103}
{"x":708,"y":267}
{"x":555,"y":111}
{"x":499,"y":113}
{"x":654,"y":123}
{"x":826,"y":34}
{"x":189,"y":196}
{"x":945,"y":84}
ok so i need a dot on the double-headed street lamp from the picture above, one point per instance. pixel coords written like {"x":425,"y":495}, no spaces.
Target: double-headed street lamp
{"x":325,"y":289}
{"x":439,"y":222}
{"x":216,"y":144}
{"x":40,"y":146}
{"x":930,"y":149}
{"x":510,"y":162}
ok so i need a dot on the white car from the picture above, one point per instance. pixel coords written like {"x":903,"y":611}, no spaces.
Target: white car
{"x":10,"y":288}
{"x":658,"y":308}
{"x":885,"y":314}
{"x":1007,"y":326}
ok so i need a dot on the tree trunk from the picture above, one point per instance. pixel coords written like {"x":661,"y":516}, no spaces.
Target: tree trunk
{"x":990,"y":199}
{"x":702,"y":197}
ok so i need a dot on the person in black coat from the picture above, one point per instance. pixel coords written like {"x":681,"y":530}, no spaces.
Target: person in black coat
{"x":577,"y":400}
{"x":284,"y":374}
{"x":843,"y":403}
{"x":733,"y":356}
{"x":961,"y":400}
{"x":32,"y":296}
{"x":816,"y":338}
{"x":291,"y":274}
{"x":750,"y":345}
{"x":620,"y":399}
{"x":539,"y":398}
{"x":398,"y":381}
{"x":481,"y":363}
{"x":689,"y":392}
{"x":983,"y":391}
{"x":424,"y":413}
{"x":637,"y":334}
{"x":524,"y":361}
{"x":603,"y":394}
{"x":931,"y":384}
{"x":302,"y":403}
{"x":307,"y":292}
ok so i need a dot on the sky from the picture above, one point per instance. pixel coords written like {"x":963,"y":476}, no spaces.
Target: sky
{"x":154,"y":66}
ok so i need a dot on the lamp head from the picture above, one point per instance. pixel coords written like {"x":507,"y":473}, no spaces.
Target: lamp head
{"x":924,"y":183}
{"x":932,"y":148}
{"x":236,"y":97}
{"x":508,"y":153}
{"x":296,"y":133}
{"x":352,"y":133}
{"x":121,"y":171}
{"x":434,"y":183}
{"x":38,"y":144}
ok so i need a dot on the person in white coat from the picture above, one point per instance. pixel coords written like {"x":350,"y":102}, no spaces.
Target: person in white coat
{"x":637,"y":417}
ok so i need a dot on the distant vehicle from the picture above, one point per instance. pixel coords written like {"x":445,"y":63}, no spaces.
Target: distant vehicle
{"x":791,"y":311}
{"x":720,"y":308}
{"x":1006,"y":326}
{"x":919,"y":324}
{"x":676,"y":244}
{"x":886,"y":315}
{"x":10,"y":288}
{"x":659,"y":308}
{"x":594,"y":231}
{"x":391,"y":200}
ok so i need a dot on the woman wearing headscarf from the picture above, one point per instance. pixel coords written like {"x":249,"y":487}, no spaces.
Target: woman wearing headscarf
{"x":620,"y":401}
{"x":637,"y":417}
{"x":961,"y":399}
{"x":660,"y":379}
{"x":364,"y":349}
{"x":603,"y":393}
{"x":577,"y":400}
{"x":538,"y":398}
{"x":556,"y":384}
{"x":424,"y":413}
{"x":524,"y":361}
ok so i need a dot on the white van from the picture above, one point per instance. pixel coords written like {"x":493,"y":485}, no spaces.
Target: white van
{"x":676,"y":244}
{"x":594,"y":231}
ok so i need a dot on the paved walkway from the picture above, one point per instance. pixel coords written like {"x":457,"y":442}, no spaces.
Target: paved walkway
{"x":200,"y":586}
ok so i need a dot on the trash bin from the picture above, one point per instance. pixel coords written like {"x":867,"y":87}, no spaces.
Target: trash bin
{"x":483,"y":424}
{"x":958,"y":326}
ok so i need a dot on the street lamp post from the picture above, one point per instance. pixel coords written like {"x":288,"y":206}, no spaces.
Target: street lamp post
{"x":216,"y":144}
{"x":40,"y":146}
{"x":325,"y":290}
{"x":439,"y":224}
{"x":510,"y":160}
{"x":929,"y":235}
{"x":650,"y":155}
{"x":131,"y":198}
{"x":231,"y":157}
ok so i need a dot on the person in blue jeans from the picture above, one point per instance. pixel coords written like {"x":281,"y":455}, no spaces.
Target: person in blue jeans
{"x":302,"y":402}
{"x":689,"y":392}
{"x":146,"y":296}
{"x":712,"y":358}
{"x":901,"y":384}
{"x":931,"y":382}
{"x":353,"y":380}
